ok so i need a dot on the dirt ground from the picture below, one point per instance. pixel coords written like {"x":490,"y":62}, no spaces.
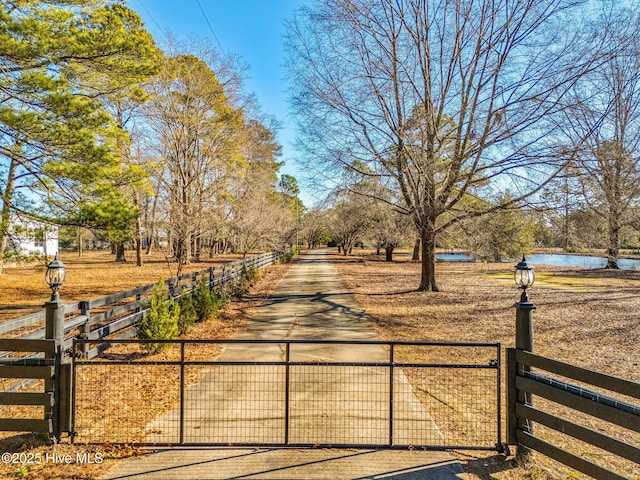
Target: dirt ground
{"x":585,"y":317}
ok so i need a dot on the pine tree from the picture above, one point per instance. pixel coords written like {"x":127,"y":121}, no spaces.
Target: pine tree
{"x":58,"y":141}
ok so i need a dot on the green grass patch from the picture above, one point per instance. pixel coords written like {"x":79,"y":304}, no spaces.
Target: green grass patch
{"x":552,"y":280}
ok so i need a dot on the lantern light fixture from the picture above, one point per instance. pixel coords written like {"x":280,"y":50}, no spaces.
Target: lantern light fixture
{"x":55,"y":276}
{"x":524,"y":277}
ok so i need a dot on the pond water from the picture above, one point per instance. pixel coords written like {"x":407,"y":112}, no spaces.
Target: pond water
{"x":555,"y":259}
{"x":454,"y":257}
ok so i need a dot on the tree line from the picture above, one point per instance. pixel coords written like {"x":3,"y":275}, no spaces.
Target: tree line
{"x":352,"y":221}
{"x":459,"y":114}
{"x":101,"y":129}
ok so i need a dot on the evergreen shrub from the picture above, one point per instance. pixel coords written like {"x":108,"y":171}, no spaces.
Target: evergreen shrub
{"x":161,"y":321}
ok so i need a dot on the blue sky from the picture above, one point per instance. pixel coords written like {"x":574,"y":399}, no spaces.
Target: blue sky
{"x":250,"y":29}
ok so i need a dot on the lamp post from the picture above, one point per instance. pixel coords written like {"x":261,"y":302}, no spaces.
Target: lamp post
{"x":524,"y":278}
{"x":55,"y":276}
{"x":54,"y":330}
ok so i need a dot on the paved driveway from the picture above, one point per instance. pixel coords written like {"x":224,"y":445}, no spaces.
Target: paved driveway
{"x":328,"y":404}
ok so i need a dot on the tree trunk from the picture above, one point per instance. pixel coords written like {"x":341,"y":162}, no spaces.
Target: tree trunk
{"x":138,"y":244}
{"x":120,"y":252}
{"x":5,"y":217}
{"x":614,"y":245}
{"x":138,"y":234}
{"x":80,"y":246}
{"x":150,"y":241}
{"x":198,"y":247}
{"x":170,"y":249}
{"x":151,"y":224}
{"x":179,"y":253}
{"x":416,"y":251}
{"x":188,"y":250}
{"x":428,"y":271}
{"x":388,"y":253}
{"x":565,"y":228}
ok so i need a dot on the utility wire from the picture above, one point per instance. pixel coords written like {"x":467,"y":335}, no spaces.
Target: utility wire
{"x":211,"y":28}
{"x":154,"y":20}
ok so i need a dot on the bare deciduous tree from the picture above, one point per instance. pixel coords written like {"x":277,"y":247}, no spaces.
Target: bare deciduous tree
{"x":348,"y":220}
{"x":197,"y":130}
{"x":603,"y":123}
{"x":314,"y":228}
{"x":389,"y":229}
{"x":439,"y":98}
{"x":259,"y":216}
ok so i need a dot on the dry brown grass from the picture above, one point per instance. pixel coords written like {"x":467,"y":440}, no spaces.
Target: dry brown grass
{"x":584,"y":317}
{"x":149,"y":392}
{"x":23,"y":289}
{"x":154,"y":398}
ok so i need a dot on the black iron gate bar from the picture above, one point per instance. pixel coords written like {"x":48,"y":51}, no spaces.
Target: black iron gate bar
{"x":493,"y":364}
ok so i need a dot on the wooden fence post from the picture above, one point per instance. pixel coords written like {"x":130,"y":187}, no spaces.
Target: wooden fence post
{"x":54,"y":330}
{"x":524,"y":342}
{"x":85,"y":309}
{"x":511,"y":397}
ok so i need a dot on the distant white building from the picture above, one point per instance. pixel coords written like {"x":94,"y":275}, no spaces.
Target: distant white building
{"x":28,"y":236}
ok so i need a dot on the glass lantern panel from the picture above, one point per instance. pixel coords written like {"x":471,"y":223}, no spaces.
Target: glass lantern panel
{"x":56,"y":276}
{"x":524,"y":278}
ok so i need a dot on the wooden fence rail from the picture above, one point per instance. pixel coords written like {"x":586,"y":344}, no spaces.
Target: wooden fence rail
{"x":611,"y":409}
{"x":42,"y":369}
{"x":105,"y":316}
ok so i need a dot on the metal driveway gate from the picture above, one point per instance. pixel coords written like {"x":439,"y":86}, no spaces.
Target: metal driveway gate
{"x":364,"y":394}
